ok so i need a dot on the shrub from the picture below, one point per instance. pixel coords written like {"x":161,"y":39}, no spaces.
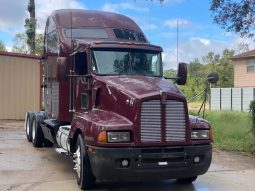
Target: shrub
{"x":252,"y":110}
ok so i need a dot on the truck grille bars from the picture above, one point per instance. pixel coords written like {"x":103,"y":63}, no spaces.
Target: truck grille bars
{"x":152,"y":116}
{"x":151,"y":121}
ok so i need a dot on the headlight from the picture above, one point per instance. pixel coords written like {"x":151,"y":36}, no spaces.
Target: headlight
{"x":116,"y":137}
{"x":200,"y":134}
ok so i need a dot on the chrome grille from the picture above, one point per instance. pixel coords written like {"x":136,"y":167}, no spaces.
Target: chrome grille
{"x":151,"y":121}
{"x":175,"y":121}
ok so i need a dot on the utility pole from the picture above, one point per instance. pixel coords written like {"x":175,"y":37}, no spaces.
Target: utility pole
{"x":30,"y":24}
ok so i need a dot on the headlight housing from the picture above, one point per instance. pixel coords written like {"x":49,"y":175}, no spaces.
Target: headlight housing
{"x":118,"y":136}
{"x":200,"y":134}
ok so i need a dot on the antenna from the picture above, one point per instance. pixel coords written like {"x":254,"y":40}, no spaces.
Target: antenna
{"x":150,"y":24}
{"x":177,"y":41}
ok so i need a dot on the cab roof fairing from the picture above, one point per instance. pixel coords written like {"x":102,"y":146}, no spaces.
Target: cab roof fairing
{"x":78,"y":18}
{"x":84,"y":18}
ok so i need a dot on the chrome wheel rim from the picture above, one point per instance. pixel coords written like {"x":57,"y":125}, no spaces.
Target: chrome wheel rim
{"x":77,"y":161}
{"x":27,"y":126}
{"x":33,"y":130}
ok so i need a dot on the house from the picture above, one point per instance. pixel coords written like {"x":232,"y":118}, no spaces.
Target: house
{"x":239,"y":97}
{"x":244,"y":69}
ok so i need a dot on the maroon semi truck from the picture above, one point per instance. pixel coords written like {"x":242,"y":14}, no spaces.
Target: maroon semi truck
{"x":108,"y":106}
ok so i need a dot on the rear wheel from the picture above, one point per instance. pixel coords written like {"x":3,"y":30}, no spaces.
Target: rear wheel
{"x":85,"y":177}
{"x":28,"y":126}
{"x":187,"y":180}
{"x":37,"y":134}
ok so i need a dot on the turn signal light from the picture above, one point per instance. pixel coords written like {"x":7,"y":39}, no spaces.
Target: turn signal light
{"x":102,"y":137}
{"x":211,"y":135}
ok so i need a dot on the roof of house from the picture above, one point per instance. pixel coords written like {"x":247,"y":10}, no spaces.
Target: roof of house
{"x":249,"y":54}
{"x":22,"y":55}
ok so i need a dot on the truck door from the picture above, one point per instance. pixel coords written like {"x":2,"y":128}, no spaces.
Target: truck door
{"x":82,"y":93}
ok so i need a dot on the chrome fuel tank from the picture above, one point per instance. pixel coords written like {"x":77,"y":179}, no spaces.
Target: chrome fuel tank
{"x":62,"y":137}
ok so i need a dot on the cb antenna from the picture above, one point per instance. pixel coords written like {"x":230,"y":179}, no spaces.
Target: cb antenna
{"x":177,"y":42}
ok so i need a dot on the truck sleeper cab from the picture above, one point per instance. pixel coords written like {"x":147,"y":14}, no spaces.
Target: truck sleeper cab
{"x":108,"y":106}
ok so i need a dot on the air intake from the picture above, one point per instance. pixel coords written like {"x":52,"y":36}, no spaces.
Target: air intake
{"x":151,"y":121}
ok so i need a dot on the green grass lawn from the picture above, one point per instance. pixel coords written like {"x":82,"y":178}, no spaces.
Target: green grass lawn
{"x":232,"y":130}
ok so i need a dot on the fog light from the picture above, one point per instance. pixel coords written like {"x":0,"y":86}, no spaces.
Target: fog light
{"x":125,"y":163}
{"x":196,"y":159}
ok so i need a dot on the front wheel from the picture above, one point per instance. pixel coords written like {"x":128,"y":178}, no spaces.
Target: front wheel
{"x":85,"y":177}
{"x":187,"y":180}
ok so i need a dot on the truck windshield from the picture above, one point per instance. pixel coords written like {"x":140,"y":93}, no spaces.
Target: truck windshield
{"x":128,"y":62}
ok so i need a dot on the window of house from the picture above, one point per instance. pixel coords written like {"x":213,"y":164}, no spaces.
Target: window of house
{"x":251,"y":65}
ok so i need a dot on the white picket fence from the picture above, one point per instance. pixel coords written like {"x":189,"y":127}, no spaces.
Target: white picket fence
{"x":237,"y":99}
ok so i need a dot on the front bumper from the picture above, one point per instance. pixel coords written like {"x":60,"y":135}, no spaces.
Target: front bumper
{"x":154,"y":163}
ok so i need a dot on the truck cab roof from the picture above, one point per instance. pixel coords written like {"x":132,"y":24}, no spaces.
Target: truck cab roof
{"x":96,"y":25}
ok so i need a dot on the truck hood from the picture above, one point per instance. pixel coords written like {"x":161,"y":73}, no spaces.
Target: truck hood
{"x":140,"y":86}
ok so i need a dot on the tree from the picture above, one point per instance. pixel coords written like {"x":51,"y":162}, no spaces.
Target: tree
{"x":170,"y":73}
{"x":20,"y":43}
{"x":221,"y":64}
{"x":198,"y":72}
{"x":243,"y":47}
{"x":2,"y":46}
{"x":252,"y":109}
{"x":196,"y":79}
{"x":30,"y":25}
{"x":235,"y":15}
{"x":39,"y":42}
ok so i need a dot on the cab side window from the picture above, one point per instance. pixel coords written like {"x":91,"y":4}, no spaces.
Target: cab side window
{"x":52,"y":37}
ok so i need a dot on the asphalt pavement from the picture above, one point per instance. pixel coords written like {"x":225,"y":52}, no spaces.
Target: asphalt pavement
{"x":25,"y":168}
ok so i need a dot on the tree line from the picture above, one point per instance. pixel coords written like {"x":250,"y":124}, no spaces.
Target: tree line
{"x":199,"y":69}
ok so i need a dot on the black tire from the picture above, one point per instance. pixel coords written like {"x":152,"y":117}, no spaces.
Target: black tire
{"x":47,"y":143}
{"x":86,"y":179}
{"x":28,"y":126}
{"x":37,"y":134}
{"x":187,"y":180}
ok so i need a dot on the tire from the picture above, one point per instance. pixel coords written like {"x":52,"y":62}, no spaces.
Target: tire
{"x":28,"y":128}
{"x":37,"y":134}
{"x":84,"y":175}
{"x":47,"y":143}
{"x":187,"y":180}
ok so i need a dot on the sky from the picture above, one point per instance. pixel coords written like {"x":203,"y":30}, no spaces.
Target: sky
{"x":198,"y":34}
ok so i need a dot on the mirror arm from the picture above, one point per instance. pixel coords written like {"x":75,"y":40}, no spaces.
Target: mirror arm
{"x":171,"y":78}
